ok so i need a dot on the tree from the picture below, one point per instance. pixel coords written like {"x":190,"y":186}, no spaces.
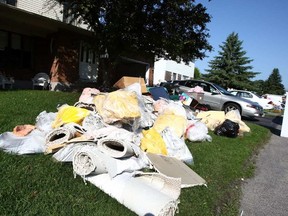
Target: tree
{"x":197,"y":73}
{"x":258,"y":87}
{"x":175,"y":30}
{"x":231,"y":67}
{"x":273,"y":85}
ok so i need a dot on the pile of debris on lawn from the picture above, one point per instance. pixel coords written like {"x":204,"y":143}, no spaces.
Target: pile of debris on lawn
{"x":126,"y":143}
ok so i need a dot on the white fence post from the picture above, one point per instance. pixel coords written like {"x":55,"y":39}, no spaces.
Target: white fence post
{"x":284,"y":128}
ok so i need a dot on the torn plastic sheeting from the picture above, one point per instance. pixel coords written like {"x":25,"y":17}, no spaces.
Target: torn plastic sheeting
{"x":44,"y":121}
{"x":142,"y":195}
{"x":34,"y":142}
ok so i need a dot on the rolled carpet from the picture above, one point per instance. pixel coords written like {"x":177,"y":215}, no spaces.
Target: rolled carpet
{"x":116,"y":148}
{"x":58,"y":136}
{"x":88,"y":160}
{"x":144,"y":195}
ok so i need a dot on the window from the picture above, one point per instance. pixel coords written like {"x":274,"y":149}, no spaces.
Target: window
{"x":205,"y":87}
{"x":245,"y":95}
{"x":16,"y":41}
{"x":82,"y":53}
{"x":191,"y":84}
{"x":15,"y":50}
{"x":174,"y":76}
{"x":168,"y":76}
{"x":249,"y":95}
{"x":3,"y":40}
{"x":212,"y":89}
{"x":10,"y":2}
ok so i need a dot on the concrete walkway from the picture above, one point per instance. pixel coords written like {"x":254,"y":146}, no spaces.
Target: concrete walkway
{"x":267,"y":192}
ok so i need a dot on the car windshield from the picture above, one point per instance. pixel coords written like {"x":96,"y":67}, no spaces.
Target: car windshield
{"x":256,"y":95}
{"x":222,"y":90}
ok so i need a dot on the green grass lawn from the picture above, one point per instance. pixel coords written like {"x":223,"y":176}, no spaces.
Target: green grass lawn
{"x":38,"y":185}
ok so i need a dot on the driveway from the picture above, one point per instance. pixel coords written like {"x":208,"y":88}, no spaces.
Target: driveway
{"x":267,"y":192}
{"x":273,"y":123}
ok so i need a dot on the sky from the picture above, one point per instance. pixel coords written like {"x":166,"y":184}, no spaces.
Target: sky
{"x":262,"y":26}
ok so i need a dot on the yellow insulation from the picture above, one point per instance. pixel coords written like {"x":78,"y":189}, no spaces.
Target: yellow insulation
{"x":67,"y":114}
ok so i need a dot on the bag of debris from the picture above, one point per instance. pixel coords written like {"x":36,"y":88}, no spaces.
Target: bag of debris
{"x":228,"y":128}
{"x":234,"y":115}
{"x":118,"y":105}
{"x":197,"y":131}
{"x":211,"y":118}
{"x":176,"y":146}
{"x":177,"y":123}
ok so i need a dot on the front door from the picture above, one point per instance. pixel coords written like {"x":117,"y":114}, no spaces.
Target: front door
{"x":88,"y":66}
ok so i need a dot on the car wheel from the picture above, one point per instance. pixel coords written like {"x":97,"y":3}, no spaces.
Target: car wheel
{"x":232,"y":106}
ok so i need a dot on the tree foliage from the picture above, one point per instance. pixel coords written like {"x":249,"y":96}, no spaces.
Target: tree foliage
{"x":231,"y":67}
{"x":197,"y":73}
{"x":258,"y":87}
{"x":171,"y":29}
{"x":273,"y":85}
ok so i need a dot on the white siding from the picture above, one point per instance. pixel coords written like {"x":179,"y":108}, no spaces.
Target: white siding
{"x":47,"y":8}
{"x":42,"y":7}
{"x":161,"y":66}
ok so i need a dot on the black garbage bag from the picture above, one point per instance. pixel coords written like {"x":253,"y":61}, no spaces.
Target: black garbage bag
{"x":227,"y":128}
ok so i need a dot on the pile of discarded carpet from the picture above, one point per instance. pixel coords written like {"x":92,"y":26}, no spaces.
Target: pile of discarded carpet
{"x":110,"y":138}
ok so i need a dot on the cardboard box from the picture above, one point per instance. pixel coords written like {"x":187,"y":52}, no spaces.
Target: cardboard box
{"x":126,"y":81}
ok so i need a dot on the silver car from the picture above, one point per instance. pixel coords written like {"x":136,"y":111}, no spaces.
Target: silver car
{"x":217,"y":98}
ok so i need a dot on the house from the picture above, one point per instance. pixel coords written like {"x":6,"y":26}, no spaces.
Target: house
{"x":168,"y":70}
{"x":36,"y":37}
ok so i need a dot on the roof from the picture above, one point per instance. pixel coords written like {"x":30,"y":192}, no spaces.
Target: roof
{"x":25,"y":21}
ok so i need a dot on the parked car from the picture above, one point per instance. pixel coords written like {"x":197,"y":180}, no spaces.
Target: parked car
{"x":265,"y":103}
{"x":217,"y":98}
